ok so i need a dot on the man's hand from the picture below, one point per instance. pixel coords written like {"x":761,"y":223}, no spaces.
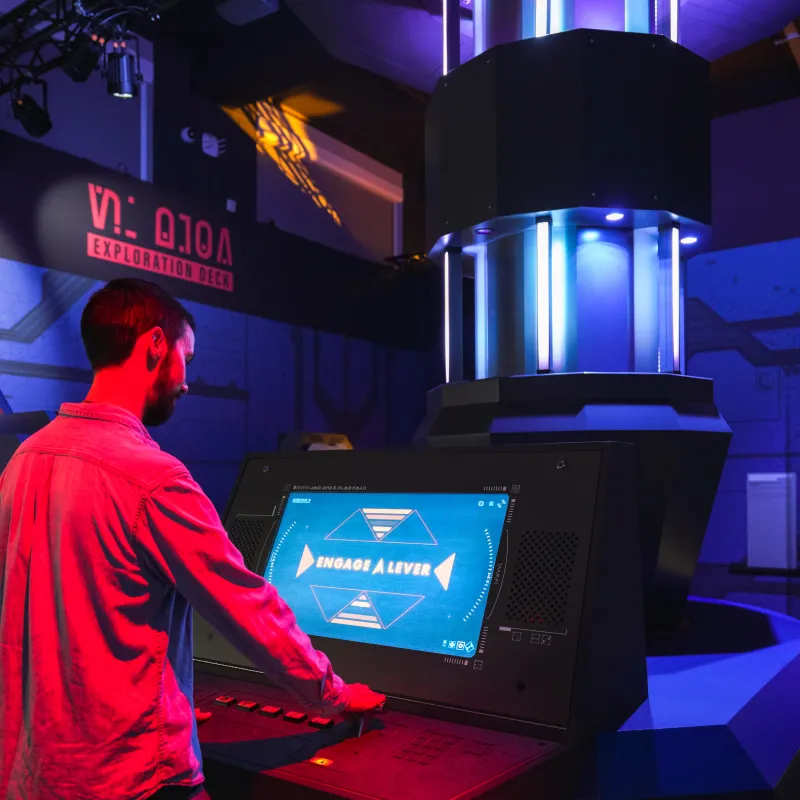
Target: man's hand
{"x":362,"y":699}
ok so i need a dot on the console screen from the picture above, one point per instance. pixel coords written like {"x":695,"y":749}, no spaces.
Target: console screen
{"x":400,"y":570}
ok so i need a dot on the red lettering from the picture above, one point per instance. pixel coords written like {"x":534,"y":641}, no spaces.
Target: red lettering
{"x":165,"y":228}
{"x":224,"y":253}
{"x":187,"y":234}
{"x":132,"y":255}
{"x":203,"y":244}
{"x":100,"y":213}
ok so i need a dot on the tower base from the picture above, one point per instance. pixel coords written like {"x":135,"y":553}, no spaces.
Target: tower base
{"x":681,"y":444}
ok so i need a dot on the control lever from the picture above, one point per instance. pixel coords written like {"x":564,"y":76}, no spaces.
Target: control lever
{"x":362,"y":717}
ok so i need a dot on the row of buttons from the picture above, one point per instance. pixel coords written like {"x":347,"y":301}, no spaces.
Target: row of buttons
{"x":295,"y":717}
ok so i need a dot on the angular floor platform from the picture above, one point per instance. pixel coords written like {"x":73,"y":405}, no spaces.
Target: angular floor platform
{"x":723,"y":716}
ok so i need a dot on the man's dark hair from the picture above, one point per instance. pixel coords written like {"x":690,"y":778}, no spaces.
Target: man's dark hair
{"x":119,"y":313}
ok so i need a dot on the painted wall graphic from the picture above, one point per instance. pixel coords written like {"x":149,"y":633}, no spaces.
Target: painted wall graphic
{"x":252,"y":380}
{"x":743,"y":330}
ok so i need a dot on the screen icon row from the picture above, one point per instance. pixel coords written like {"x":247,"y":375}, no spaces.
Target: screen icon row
{"x":452,"y":644}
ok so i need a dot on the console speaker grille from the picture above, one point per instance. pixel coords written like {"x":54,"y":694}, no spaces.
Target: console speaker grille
{"x":542,"y":579}
{"x":247,"y":535}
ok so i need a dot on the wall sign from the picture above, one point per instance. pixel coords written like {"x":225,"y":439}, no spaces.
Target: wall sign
{"x":176,"y":245}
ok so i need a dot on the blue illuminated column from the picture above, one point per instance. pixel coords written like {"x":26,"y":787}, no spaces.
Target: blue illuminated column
{"x":453,"y":316}
{"x":500,"y":21}
{"x":563,"y":298}
{"x":570,"y":157}
{"x":670,"y":299}
{"x":451,"y":35}
{"x":513,"y":302}
{"x":665,"y":17}
{"x":595,"y":286}
{"x":453,"y":258}
{"x":543,"y":244}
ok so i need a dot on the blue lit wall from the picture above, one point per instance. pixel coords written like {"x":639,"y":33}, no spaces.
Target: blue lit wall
{"x":743,"y":330}
{"x":604,"y":300}
{"x":252,"y":380}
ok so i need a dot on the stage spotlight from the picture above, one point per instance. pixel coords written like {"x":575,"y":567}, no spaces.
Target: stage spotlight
{"x":82,"y":59}
{"x":34,"y":118}
{"x":689,"y":240}
{"x":615,"y":217}
{"x":121,"y":71}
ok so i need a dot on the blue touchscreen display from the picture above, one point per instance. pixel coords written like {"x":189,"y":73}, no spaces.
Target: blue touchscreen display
{"x":399,"y":570}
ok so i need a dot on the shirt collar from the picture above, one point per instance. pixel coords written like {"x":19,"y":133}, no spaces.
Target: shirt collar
{"x":105,"y":412}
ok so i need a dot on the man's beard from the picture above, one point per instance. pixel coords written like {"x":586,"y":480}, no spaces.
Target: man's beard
{"x":160,"y":410}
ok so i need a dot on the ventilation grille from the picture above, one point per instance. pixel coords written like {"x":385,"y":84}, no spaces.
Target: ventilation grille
{"x":247,"y":535}
{"x":542,"y":579}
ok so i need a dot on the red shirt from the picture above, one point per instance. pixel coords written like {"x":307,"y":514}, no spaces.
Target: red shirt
{"x":105,"y":541}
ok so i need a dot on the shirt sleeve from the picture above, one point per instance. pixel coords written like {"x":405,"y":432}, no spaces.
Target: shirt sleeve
{"x":182,"y":533}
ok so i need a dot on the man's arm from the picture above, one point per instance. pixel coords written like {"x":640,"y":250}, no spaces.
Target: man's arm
{"x":181,"y":532}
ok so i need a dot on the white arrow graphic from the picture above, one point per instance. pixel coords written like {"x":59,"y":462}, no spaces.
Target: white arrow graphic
{"x":444,"y":570}
{"x":306,"y":561}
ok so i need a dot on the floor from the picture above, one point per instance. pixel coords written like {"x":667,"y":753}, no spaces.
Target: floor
{"x":763,"y":591}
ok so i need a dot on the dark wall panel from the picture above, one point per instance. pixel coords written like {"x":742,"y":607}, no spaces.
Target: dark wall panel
{"x":184,"y":167}
{"x":754,"y":156}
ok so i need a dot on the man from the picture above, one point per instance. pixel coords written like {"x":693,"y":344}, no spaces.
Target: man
{"x":105,"y":541}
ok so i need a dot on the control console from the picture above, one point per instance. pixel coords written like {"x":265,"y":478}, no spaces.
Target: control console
{"x":494,"y":590}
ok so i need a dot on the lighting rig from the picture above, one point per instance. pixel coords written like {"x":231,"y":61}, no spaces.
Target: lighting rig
{"x":77,"y":36}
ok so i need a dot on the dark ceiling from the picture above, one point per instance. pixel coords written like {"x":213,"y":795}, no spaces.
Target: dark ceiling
{"x":361,"y":70}
{"x":278,"y":57}
{"x":367,"y":66}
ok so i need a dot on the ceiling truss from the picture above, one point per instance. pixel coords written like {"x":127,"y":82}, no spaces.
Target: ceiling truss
{"x":38,"y":35}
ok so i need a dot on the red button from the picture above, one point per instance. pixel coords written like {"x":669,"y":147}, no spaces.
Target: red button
{"x":224,"y":700}
{"x":321,"y":722}
{"x":295,"y":716}
{"x":247,"y":705}
{"x":270,"y":711}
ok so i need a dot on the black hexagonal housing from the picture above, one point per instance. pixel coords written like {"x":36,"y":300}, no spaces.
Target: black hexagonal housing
{"x":582,"y":118}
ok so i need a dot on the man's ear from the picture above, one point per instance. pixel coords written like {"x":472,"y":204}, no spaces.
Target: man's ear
{"x":156,"y":347}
